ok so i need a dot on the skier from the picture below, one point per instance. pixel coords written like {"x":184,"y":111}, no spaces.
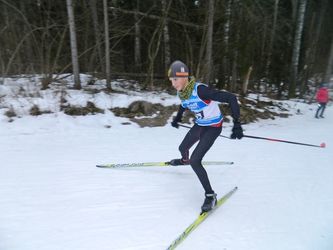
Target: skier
{"x":322,"y":99}
{"x":201,"y":100}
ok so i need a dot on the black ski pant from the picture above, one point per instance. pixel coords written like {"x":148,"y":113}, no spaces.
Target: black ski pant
{"x":206,"y":136}
{"x":321,"y":107}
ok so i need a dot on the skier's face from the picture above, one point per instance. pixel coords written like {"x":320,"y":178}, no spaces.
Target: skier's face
{"x":179,"y":83}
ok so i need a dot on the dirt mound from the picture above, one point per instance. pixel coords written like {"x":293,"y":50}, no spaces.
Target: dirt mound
{"x":148,"y":114}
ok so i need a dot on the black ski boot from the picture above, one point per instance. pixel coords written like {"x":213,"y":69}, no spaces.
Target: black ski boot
{"x":177,"y":162}
{"x":209,"y":203}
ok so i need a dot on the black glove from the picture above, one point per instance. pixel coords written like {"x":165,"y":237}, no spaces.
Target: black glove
{"x":174,"y":123}
{"x":178,"y":117}
{"x":237,"y":131}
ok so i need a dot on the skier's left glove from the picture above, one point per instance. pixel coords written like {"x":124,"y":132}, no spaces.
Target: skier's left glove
{"x":237,"y":131}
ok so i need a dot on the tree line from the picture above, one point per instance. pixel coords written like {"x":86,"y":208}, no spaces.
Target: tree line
{"x":232,"y":44}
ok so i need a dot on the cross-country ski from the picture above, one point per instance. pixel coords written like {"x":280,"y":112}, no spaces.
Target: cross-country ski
{"x":203,"y":216}
{"x":157,"y":164}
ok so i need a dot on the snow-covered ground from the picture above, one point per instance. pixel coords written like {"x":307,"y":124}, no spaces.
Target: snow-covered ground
{"x":53,"y":197}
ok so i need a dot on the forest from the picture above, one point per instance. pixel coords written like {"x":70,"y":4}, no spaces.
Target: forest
{"x":280,"y":46}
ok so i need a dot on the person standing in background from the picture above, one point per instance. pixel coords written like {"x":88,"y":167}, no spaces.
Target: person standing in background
{"x":322,"y":99}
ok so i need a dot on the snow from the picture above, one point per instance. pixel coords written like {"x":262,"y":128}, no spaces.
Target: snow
{"x":53,"y":197}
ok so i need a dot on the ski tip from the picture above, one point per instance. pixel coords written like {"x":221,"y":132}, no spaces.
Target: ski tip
{"x":323,"y":145}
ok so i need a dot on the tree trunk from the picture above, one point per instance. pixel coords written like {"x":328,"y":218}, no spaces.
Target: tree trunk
{"x":28,"y":44}
{"x":166,"y":39}
{"x":263,"y":51}
{"x":209,"y":45}
{"x":137,"y":40}
{"x":234,"y":71}
{"x":236,"y":8}
{"x":107,"y":45}
{"x":246,"y":80}
{"x":72,"y":32}
{"x":313,"y":40}
{"x":296,"y":48}
{"x":294,"y":4}
{"x":329,"y":68}
{"x":226,"y":35}
{"x":272,"y":38}
{"x":97,"y":34}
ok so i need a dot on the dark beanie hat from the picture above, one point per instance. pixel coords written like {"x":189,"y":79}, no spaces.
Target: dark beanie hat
{"x":178,"y":69}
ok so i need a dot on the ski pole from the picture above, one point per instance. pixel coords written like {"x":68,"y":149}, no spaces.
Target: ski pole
{"x":322,"y":145}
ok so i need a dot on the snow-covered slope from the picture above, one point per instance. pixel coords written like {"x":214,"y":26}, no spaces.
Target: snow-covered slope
{"x":53,"y":197}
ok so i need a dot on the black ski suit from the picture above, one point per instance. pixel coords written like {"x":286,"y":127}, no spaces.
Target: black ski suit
{"x":206,"y":135}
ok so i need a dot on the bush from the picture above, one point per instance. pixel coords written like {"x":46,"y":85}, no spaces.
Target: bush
{"x":76,"y":111}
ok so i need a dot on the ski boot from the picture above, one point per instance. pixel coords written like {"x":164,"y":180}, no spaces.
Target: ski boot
{"x":177,"y":162}
{"x":209,"y":203}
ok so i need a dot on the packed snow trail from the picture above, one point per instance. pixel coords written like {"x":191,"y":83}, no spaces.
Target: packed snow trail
{"x":53,"y":197}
